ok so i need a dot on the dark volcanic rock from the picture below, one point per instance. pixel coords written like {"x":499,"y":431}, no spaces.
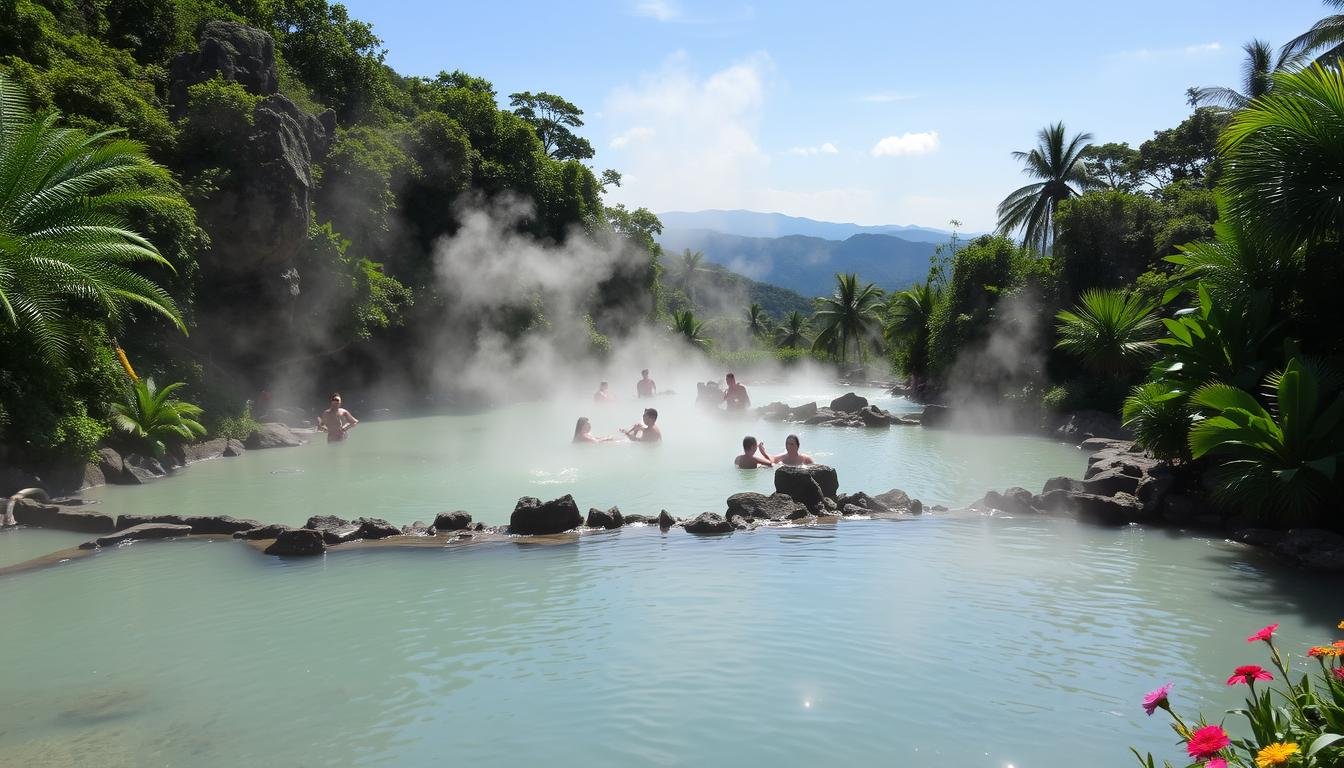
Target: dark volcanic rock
{"x":1014,"y":501}
{"x":375,"y":528}
{"x":609,"y":519}
{"x":1119,"y":509}
{"x":1062,"y":483}
{"x":1313,"y":547}
{"x":708,"y":522}
{"x":271,"y":531}
{"x":872,"y":416}
{"x":418,"y":528}
{"x":894,"y":499}
{"x":777,"y":506}
{"x":1110,"y":482}
{"x":228,"y":50}
{"x":665,"y":520}
{"x":208,"y":449}
{"x":272,"y":435}
{"x":334,"y":530}
{"x":200,"y":524}
{"x":935,"y":416}
{"x":863,"y":504}
{"x":112,"y":465}
{"x":452,"y":521}
{"x":849,"y":403}
{"x":532,"y":516}
{"x":807,"y":484}
{"x":638,"y":519}
{"x":1053,"y":500}
{"x":802,"y":412}
{"x":144,"y":531}
{"x":1096,"y":444}
{"x":27,"y":512}
{"x":298,"y":541}
{"x":822,"y":416}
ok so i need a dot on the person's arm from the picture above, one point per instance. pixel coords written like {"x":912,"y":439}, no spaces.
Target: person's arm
{"x":321,"y":423}
{"x":769,"y":460}
{"x":348,"y":424}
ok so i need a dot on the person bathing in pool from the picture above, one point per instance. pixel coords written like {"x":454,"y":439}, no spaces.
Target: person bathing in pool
{"x":646,"y":432}
{"x":583,"y":432}
{"x":791,"y":456}
{"x":336,"y":421}
{"x":749,"y":459}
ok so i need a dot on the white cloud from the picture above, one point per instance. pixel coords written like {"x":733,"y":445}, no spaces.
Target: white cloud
{"x":638,"y":133}
{"x":883,"y":97}
{"x":662,"y":10}
{"x":697,"y":134}
{"x":827,"y":148}
{"x":1186,"y":51}
{"x":921,"y":143}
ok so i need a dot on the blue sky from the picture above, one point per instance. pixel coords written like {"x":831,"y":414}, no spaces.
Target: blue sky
{"x":877,"y":113}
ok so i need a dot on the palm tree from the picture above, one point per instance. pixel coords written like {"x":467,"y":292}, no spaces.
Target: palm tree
{"x":793,"y":331}
{"x":1256,"y":77}
{"x":1111,"y":331}
{"x":688,"y":272}
{"x":758,"y":322}
{"x":66,"y":247}
{"x":1058,"y":165}
{"x":690,"y":329}
{"x":1325,"y":38}
{"x":152,"y":420}
{"x":908,"y":314}
{"x":847,"y":316}
{"x":1283,"y":163}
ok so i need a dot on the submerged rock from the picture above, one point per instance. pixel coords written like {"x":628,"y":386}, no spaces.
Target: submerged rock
{"x":638,"y":519}
{"x":298,"y":541}
{"x":609,"y":519}
{"x":136,"y":532}
{"x":200,"y":524}
{"x":708,"y":522}
{"x":935,"y":416}
{"x":28,"y":512}
{"x":270,"y":531}
{"x":452,"y":521}
{"x":531,"y":516}
{"x":779,"y":506}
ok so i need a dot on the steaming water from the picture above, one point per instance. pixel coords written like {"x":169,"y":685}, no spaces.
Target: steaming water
{"x":412,"y":469}
{"x":942,"y":641}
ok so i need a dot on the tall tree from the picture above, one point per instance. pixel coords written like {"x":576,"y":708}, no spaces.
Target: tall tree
{"x":908,"y":315}
{"x":848,"y":317}
{"x":553,"y":117}
{"x":1058,"y":165}
{"x":1325,"y":38}
{"x":793,"y":331}
{"x":1113,"y":165}
{"x":690,"y":329}
{"x":758,"y":322}
{"x":1256,"y":77}
{"x":688,"y":271}
{"x":67,"y":250}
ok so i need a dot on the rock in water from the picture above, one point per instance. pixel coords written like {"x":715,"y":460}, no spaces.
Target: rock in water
{"x":609,"y":519}
{"x":808,"y":484}
{"x":452,"y":521}
{"x":709,"y":522}
{"x":298,"y":541}
{"x":144,"y":531}
{"x":935,"y":416}
{"x":665,"y":520}
{"x":334,"y":530}
{"x":270,"y":531}
{"x":531,"y":516}
{"x":375,"y":528}
{"x":849,"y":403}
{"x":272,"y":435}
{"x":28,"y":512}
{"x":779,"y":506}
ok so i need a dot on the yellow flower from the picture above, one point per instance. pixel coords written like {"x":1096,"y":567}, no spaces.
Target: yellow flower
{"x":1325,"y":650}
{"x":1341,"y":625}
{"x":1275,"y":754}
{"x":126,"y":363}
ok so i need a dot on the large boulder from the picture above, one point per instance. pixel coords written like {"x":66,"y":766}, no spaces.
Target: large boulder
{"x":1126,"y":462}
{"x":609,"y":518}
{"x":894,"y":499}
{"x":418,"y":528}
{"x":268,"y":531}
{"x":665,"y":520}
{"x":849,"y":403}
{"x":452,"y":521}
{"x":779,"y":506}
{"x":822,"y":416}
{"x":1110,"y":482}
{"x":223,"y":525}
{"x":334,"y":530}
{"x":230,"y":51}
{"x":298,"y":541}
{"x":862,"y":504}
{"x":1014,"y":501}
{"x":872,"y":416}
{"x":375,"y":528}
{"x":271,"y":435}
{"x":802,"y":412}
{"x":1313,"y":547}
{"x":532,"y":516}
{"x":190,"y":453}
{"x":28,"y":512}
{"x":794,"y":482}
{"x":1119,"y":509}
{"x":708,"y":522}
{"x":1062,"y":483}
{"x":137,"y":532}
{"x":935,"y":416}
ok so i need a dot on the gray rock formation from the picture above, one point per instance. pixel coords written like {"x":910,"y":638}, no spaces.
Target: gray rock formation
{"x":531,"y":516}
{"x":28,"y":512}
{"x":228,"y":50}
{"x":849,"y":403}
{"x":137,"y":532}
{"x":452,"y":521}
{"x":708,"y":522}
{"x":271,"y":435}
{"x":779,"y":506}
{"x":270,"y":531}
{"x":809,"y":485}
{"x":608,"y":518}
{"x":298,"y":541}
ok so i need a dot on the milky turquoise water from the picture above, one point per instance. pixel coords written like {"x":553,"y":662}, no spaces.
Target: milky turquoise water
{"x":941,"y":641}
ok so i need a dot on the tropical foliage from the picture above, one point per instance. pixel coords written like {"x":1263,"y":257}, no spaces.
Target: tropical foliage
{"x":1111,"y":331}
{"x":1256,"y":77}
{"x":691,"y":330}
{"x":849,"y":318}
{"x":793,"y":332}
{"x":1058,"y":167}
{"x":1325,"y":39}
{"x":152,"y":421}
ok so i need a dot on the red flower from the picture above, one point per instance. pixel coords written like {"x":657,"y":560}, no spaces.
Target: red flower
{"x":1155,"y":699}
{"x":1338,"y":673}
{"x":1264,"y":634}
{"x":1249,"y":673}
{"x":1207,"y":742}
{"x":1216,"y":762}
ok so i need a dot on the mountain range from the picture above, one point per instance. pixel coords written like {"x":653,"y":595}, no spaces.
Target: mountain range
{"x":756,"y":224}
{"x":804,"y":264}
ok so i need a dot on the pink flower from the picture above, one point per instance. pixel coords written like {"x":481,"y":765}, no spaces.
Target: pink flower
{"x":1338,"y":673}
{"x":1207,"y":742}
{"x":1264,"y":634}
{"x":1249,"y":673}
{"x":1155,"y":699}
{"x":1216,"y":762}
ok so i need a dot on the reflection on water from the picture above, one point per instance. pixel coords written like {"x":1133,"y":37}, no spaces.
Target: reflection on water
{"x":939,"y":641}
{"x":413,"y":469}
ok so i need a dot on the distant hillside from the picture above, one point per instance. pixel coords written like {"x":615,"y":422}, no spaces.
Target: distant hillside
{"x":754,"y":224}
{"x":776,"y":301}
{"x":807,"y":265}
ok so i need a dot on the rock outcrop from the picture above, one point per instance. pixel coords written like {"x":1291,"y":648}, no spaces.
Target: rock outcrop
{"x":608,"y":518}
{"x":28,"y":512}
{"x":808,"y":485}
{"x":849,"y":403}
{"x":233,"y":52}
{"x":137,"y":532}
{"x":271,"y":435}
{"x":708,"y":522}
{"x":223,"y":525}
{"x":532,"y":516}
{"x":298,"y":541}
{"x":779,"y":506}
{"x":452,"y":521}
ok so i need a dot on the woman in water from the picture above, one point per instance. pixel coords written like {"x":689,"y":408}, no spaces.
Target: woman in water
{"x":583,"y":432}
{"x":791,"y":456}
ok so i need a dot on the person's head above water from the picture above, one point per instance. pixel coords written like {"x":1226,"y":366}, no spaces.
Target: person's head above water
{"x":583,"y":426}
{"x":644,"y":373}
{"x":731,"y":379}
{"x":602,"y":385}
{"x":748,"y":444}
{"x":792,"y":443}
{"x":336,"y":399}
{"x":650,"y":416}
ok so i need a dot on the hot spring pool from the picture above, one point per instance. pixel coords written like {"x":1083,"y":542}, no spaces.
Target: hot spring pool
{"x":947,"y":640}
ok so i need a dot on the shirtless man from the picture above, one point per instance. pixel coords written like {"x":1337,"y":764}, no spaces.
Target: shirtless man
{"x":602,"y":395}
{"x":736,"y":397}
{"x":748,"y":458}
{"x":791,"y":456}
{"x":335,"y":421}
{"x":648,"y":431}
{"x":645,"y":386}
